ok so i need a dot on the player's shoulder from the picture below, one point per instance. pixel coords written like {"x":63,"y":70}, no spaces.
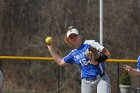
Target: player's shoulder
{"x":89,"y":41}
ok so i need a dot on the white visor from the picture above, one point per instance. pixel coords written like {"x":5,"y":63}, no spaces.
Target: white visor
{"x":72,"y":31}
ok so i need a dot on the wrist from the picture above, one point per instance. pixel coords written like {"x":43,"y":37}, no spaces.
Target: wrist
{"x":102,"y":58}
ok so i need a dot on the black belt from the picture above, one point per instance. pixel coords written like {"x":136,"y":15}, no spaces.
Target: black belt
{"x":94,"y":77}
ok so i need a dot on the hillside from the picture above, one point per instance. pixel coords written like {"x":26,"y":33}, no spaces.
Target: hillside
{"x":24,"y":24}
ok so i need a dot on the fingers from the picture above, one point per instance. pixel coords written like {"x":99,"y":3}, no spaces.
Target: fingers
{"x":127,"y":68}
{"x":50,"y":46}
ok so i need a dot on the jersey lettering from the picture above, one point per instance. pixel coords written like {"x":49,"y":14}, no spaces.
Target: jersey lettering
{"x":84,"y":62}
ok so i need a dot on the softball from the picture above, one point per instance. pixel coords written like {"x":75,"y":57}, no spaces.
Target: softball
{"x":48,"y":40}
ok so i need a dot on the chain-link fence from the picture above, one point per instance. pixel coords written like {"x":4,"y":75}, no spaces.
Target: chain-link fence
{"x":39,"y":74}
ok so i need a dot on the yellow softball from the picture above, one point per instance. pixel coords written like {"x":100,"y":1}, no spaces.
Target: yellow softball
{"x":48,"y":40}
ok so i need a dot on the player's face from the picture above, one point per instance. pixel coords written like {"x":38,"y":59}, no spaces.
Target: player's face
{"x":75,"y":40}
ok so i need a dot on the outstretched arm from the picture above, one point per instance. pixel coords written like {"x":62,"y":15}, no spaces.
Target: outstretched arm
{"x":55,"y":55}
{"x":132,"y":70}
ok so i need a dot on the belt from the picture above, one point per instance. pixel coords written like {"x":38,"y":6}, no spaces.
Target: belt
{"x":94,"y":77}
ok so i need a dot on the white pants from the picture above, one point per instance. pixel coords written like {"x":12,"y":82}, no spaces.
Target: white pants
{"x":101,"y":85}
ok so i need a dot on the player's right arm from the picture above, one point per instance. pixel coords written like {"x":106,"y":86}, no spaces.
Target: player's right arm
{"x":56,"y":57}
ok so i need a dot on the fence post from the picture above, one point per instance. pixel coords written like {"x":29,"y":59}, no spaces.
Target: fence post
{"x":118,"y":78}
{"x":58,"y":79}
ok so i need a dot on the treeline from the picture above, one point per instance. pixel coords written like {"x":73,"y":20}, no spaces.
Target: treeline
{"x":24,"y":24}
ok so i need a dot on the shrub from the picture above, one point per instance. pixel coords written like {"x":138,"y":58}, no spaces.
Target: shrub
{"x":125,"y":78}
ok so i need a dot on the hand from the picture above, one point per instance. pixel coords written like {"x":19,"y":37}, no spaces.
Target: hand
{"x":50,"y":47}
{"x":127,"y":68}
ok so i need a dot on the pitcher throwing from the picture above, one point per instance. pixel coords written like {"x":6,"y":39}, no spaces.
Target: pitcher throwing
{"x":90,"y":56}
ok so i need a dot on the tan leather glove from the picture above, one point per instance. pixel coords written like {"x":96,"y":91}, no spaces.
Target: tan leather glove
{"x":92,"y":54}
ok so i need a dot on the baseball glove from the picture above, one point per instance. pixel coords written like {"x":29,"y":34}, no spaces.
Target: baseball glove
{"x":92,"y":53}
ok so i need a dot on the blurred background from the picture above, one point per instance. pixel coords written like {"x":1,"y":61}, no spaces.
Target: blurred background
{"x":24,"y":25}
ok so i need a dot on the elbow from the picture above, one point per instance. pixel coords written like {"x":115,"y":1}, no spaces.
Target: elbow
{"x":108,"y":55}
{"x":61,"y":63}
{"x":106,"y":52}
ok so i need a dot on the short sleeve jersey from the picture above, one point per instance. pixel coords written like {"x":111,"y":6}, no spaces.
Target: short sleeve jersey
{"x":78,"y":56}
{"x":138,"y":64}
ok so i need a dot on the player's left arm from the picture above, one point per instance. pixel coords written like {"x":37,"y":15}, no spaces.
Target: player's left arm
{"x":106,"y":52}
{"x":103,"y":53}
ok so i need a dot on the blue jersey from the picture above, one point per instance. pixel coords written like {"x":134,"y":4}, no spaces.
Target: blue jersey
{"x":138,"y":64}
{"x":78,"y":56}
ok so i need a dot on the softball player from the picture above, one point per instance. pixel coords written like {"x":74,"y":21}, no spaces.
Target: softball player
{"x":93,"y":75}
{"x":133,"y":70}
